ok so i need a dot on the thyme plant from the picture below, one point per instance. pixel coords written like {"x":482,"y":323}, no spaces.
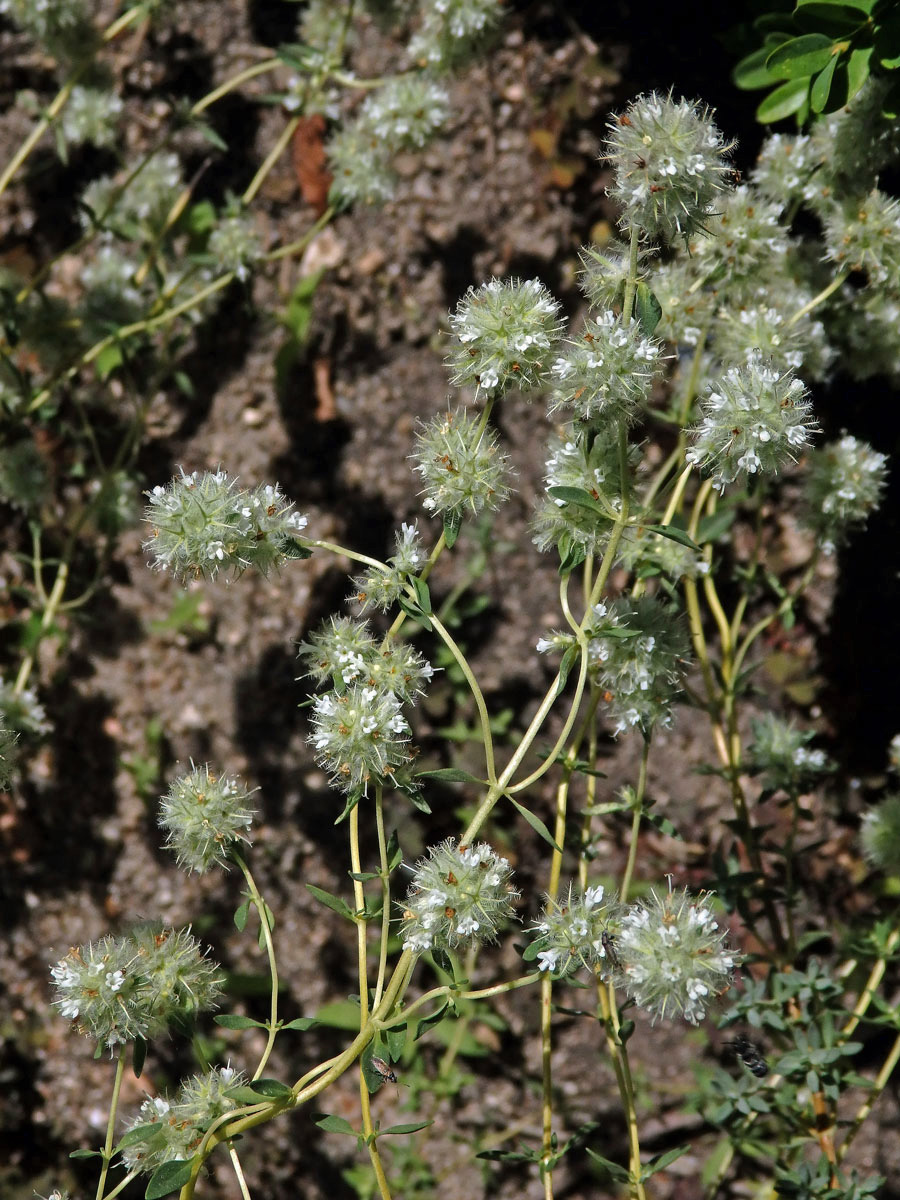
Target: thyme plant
{"x":705,"y":334}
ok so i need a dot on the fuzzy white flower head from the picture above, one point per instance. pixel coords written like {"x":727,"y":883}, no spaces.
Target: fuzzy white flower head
{"x":577,"y":930}
{"x":675,"y":959}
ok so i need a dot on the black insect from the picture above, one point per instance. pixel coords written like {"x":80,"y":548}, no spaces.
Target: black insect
{"x":750,"y":1055}
{"x":608,"y":942}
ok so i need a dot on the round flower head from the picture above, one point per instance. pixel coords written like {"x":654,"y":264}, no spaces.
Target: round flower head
{"x":577,"y":931}
{"x":203,"y":522}
{"x":119,"y":989}
{"x":462,"y":467}
{"x":869,"y":334}
{"x":744,"y":235}
{"x":781,"y":754}
{"x":504,"y":333}
{"x":234,"y":244}
{"x":845,"y":483}
{"x":204,"y":815}
{"x":607,"y":372}
{"x":637,"y":653}
{"x":360,"y":165}
{"x":755,"y":419}
{"x":359,"y":735}
{"x":174,"y":1129}
{"x":880,"y":835}
{"x":60,"y":26}
{"x":784,"y":167}
{"x":380,"y":589}
{"x":406,"y":112}
{"x":670,"y":162}
{"x":742,"y":334}
{"x":865,"y":236}
{"x":451,"y":31}
{"x":344,"y":653}
{"x":686,"y":310}
{"x":459,"y":894}
{"x":22,"y":712}
{"x":91,"y":116}
{"x":674,"y":958}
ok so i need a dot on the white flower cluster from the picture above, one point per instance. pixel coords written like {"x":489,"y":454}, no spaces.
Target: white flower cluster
{"x":458,"y":894}
{"x":607,"y":372}
{"x":844,"y":485}
{"x":577,"y":930}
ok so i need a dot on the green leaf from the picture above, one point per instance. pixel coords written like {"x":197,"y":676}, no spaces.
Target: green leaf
{"x":412,"y":610}
{"x":626,"y":1029}
{"x":206,"y":131}
{"x":109,"y":358}
{"x":568,"y":661}
{"x":297,"y":317}
{"x":240,"y":915}
{"x":613,"y":1170}
{"x":301,"y":1023}
{"x":170,"y":1177}
{"x":335,"y":903}
{"x":647,"y":308}
{"x":413,"y":1127}
{"x":752,"y":73}
{"x":452,"y":526}
{"x":138,"y":1056}
{"x":137,"y":1135}
{"x":396,"y":1041}
{"x":579,"y":496}
{"x":422,"y":593}
{"x":712,"y":528}
{"x":674,"y":534}
{"x":333,"y":1124}
{"x":536,"y":824}
{"x":451,"y":775}
{"x":660,"y":1161}
{"x":85,"y":1153}
{"x":394,"y":852}
{"x":838,"y":20}
{"x":857,"y":71}
{"x":821,"y":87}
{"x":783,"y":102}
{"x":236,"y":1021}
{"x":270,"y":1089}
{"x":802,"y":56}
{"x":432,"y":1019}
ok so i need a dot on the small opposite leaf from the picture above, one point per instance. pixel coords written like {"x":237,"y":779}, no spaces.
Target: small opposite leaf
{"x":661,"y":1161}
{"x":240,"y":915}
{"x":452,"y":526}
{"x":422,"y":593}
{"x":333,"y":1124}
{"x":134,"y":1137}
{"x":85,"y":1154}
{"x":170,"y":1177}
{"x":569,"y":659}
{"x":335,"y":903}
{"x":301,"y":1023}
{"x":674,"y":534}
{"x":236,"y":1021}
{"x":613,"y":1170}
{"x":579,"y":496}
{"x":752,"y":72}
{"x":536,"y":824}
{"x":414,"y":1127}
{"x":451,"y":775}
{"x":138,"y":1055}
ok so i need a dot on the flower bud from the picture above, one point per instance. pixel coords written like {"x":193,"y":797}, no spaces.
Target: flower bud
{"x":504,"y":333}
{"x":674,"y":958}
{"x":204,"y":815}
{"x":380,"y":589}
{"x":459,"y":894}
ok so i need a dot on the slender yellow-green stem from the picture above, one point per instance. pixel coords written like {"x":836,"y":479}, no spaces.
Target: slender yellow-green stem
{"x":248,"y":73}
{"x":345,"y":552}
{"x":236,"y":1164}
{"x":270,"y":160}
{"x":880,"y":1083}
{"x":384,"y":872}
{"x":448,"y":989}
{"x":266,"y":926}
{"x":631,"y":280}
{"x":362,"y":929}
{"x":59,"y":101}
{"x":111,"y":1120}
{"x":51,"y":607}
{"x":477,"y":695}
{"x":546,"y":1085}
{"x":871,"y":986}
{"x":636,"y":820}
{"x":819,"y":298}
{"x":618,"y":1053}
